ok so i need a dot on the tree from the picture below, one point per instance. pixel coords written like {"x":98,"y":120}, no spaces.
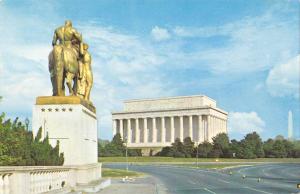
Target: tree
{"x":188,"y":145}
{"x":216,"y":151}
{"x":222,"y":140}
{"x":116,"y":148}
{"x":296,"y":149}
{"x":43,"y":153}
{"x":220,"y":145}
{"x":254,"y":143}
{"x":54,"y":153}
{"x":165,"y":151}
{"x":101,"y":150}
{"x":289,"y":147}
{"x":268,"y":148}
{"x":279,"y":150}
{"x":246,"y":151}
{"x":134,"y":152}
{"x":204,"y":149}
{"x":234,"y":148}
{"x":178,"y":149}
{"x":118,"y":142}
{"x":18,"y":147}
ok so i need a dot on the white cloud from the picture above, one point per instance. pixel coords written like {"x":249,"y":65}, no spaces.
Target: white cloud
{"x":35,"y":52}
{"x":283,"y":79}
{"x":200,"y":32}
{"x":160,"y":34}
{"x":245,"y":122}
{"x":23,"y":62}
{"x":247,"y":45}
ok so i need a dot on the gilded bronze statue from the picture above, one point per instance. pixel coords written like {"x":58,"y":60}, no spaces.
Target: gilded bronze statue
{"x":70,"y":61}
{"x":85,"y":79}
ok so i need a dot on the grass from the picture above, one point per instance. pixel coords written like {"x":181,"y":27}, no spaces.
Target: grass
{"x":116,"y":173}
{"x":191,"y":160}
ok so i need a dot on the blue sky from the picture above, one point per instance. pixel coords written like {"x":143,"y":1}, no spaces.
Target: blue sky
{"x":244,"y":54}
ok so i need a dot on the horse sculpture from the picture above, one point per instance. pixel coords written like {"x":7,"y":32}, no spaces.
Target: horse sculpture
{"x":70,"y":62}
{"x":63,"y":65}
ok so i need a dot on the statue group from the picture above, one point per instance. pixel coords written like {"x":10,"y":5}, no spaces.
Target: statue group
{"x":70,"y":62}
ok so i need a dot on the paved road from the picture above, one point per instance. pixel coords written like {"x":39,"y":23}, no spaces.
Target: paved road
{"x":274,"y":178}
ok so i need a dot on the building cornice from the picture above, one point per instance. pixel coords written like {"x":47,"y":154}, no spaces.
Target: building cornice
{"x":167,"y":98}
{"x":171,"y":110}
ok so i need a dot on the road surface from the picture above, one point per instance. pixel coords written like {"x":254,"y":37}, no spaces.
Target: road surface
{"x":274,"y":178}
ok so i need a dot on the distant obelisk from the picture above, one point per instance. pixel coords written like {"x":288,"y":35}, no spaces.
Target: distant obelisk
{"x":290,"y":125}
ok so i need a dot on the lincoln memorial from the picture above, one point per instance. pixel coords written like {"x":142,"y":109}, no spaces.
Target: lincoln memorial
{"x":150,"y":124}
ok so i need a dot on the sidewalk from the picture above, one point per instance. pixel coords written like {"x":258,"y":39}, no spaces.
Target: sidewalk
{"x":145,"y":185}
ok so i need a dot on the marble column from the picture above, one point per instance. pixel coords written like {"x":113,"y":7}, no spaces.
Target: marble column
{"x":222,"y":125}
{"x":114,"y":127}
{"x":200,"y":129}
{"x":154,"y":129}
{"x":191,"y":127}
{"x":163,"y":130}
{"x":129,"y":131}
{"x":172,"y":130}
{"x":145,"y":131}
{"x":213,"y":124}
{"x":209,"y":128}
{"x":137,"y":131}
{"x":121,"y":128}
{"x":181,"y":128}
{"x":205,"y":128}
{"x":218,"y":125}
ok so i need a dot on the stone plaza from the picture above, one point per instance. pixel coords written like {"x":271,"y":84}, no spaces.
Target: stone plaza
{"x":150,"y":124}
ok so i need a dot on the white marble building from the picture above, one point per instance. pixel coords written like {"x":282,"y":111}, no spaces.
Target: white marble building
{"x":151,"y":124}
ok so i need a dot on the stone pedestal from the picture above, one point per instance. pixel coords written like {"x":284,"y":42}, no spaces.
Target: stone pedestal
{"x":72,"y":122}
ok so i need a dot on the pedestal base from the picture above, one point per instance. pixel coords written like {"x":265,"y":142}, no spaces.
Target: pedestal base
{"x":72,"y":122}
{"x":85,"y":174}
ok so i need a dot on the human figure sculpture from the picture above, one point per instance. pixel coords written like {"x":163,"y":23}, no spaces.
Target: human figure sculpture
{"x":64,"y":59}
{"x":85,"y":78}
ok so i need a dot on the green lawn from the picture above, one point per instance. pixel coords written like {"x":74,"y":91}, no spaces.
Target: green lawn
{"x":190,"y":160}
{"x":115,"y":173}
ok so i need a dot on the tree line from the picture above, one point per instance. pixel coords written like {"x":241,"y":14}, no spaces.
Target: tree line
{"x":18,"y":146}
{"x":250,"y":147}
{"x":116,"y":148}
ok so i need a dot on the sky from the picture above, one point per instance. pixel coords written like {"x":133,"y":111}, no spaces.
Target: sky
{"x":243,"y":54}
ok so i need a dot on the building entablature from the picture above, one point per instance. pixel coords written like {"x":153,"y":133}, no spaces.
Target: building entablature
{"x":172,"y":112}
